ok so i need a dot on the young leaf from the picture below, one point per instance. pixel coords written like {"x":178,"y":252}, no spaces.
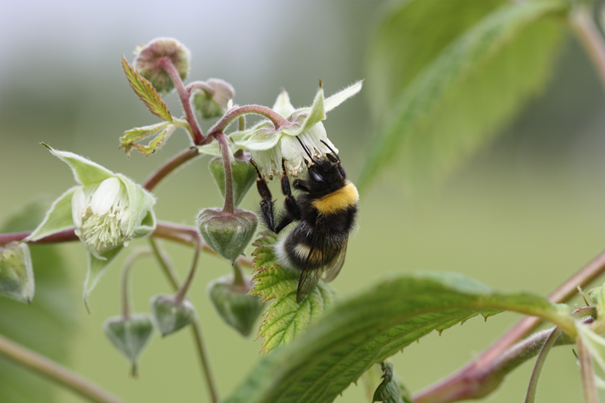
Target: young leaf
{"x":154,"y":144}
{"x":48,"y":325}
{"x":286,"y":318}
{"x":130,"y":137}
{"x":145,"y":91}
{"x":368,"y":328}
{"x":390,"y":389}
{"x":467,"y":91}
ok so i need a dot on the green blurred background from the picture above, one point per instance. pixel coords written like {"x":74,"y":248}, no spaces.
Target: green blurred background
{"x":523,"y":214}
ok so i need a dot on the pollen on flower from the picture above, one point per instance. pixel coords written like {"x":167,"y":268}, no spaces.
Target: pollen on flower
{"x":101,"y":215}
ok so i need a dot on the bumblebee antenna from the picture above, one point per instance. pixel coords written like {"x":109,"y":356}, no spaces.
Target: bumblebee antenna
{"x":326,"y":144}
{"x":304,"y":148}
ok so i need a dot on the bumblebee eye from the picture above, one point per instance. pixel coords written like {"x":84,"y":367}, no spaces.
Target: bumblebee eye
{"x":316,"y":177}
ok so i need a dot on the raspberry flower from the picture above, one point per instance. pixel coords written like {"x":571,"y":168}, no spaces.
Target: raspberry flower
{"x":269,"y":144}
{"x":106,"y":209}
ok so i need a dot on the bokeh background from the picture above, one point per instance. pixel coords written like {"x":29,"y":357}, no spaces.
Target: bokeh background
{"x":523,"y":214}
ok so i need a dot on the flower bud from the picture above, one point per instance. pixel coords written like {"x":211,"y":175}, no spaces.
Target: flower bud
{"x":16,"y":272}
{"x":227,"y":234}
{"x":147,"y":62}
{"x":130,"y":335}
{"x":170,"y":314}
{"x":237,"y":309}
{"x":211,"y":98}
{"x":244,"y":176}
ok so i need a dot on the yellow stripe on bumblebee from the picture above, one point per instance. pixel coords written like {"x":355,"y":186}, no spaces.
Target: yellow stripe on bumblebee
{"x":337,"y":201}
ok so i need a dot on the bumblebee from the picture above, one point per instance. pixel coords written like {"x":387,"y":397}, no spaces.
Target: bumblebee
{"x":325,"y":213}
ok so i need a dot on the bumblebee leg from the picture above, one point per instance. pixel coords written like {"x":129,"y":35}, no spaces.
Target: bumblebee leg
{"x":292,"y":209}
{"x":299,"y":184}
{"x":266,"y":204}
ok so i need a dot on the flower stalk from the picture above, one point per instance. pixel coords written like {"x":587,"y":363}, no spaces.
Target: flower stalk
{"x":126,"y":302}
{"x":169,"y":67}
{"x":173,"y":280}
{"x":233,"y":114}
{"x":229,"y":206}
{"x":535,"y":375}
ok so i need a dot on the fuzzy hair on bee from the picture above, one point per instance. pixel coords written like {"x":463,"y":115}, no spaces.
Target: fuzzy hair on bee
{"x":324,"y":212}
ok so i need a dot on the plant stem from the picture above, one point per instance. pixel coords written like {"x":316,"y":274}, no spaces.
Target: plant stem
{"x":535,"y":375}
{"x":590,"y":37}
{"x":182,"y":291}
{"x":588,"y":384}
{"x":55,"y":372}
{"x":170,"y":166}
{"x":228,"y":207}
{"x":126,"y":304}
{"x":467,"y":374}
{"x":238,"y":276}
{"x":174,"y":232}
{"x":220,"y":126}
{"x":173,"y":279}
{"x":167,"y":65}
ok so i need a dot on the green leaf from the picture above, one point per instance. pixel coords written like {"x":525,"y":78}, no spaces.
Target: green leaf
{"x":96,"y":268}
{"x":285,"y":318}
{"x":130,"y":137}
{"x":375,"y":324}
{"x":47,"y":325}
{"x":58,"y":217}
{"x":145,"y":91}
{"x":453,"y":96}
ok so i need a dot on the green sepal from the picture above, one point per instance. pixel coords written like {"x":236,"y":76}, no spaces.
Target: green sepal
{"x":96,"y":268}
{"x":140,"y":202}
{"x":129,"y":335}
{"x":85,"y":171}
{"x":228,"y":234}
{"x":285,"y":318}
{"x":171,"y":315}
{"x":244,"y":176}
{"x":58,"y":217}
{"x":16,"y":272}
{"x":233,"y":305}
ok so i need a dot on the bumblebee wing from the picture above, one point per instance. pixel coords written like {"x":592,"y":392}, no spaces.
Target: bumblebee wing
{"x":310,"y":277}
{"x":331,"y":270}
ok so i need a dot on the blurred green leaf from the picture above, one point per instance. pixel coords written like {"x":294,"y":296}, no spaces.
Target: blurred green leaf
{"x":47,"y":325}
{"x":442,"y":90}
{"x":365,"y":329}
{"x":146,"y":92}
{"x":285,"y":318}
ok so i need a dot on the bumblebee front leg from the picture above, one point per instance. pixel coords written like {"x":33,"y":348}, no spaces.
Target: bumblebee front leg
{"x":292,"y":209}
{"x":266,"y":204}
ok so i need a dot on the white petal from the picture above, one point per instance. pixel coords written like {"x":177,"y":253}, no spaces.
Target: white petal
{"x":105,"y":196}
{"x":78,"y":203}
{"x":338,"y":98}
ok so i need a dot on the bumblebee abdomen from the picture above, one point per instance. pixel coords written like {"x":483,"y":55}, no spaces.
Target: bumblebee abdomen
{"x":337,"y":201}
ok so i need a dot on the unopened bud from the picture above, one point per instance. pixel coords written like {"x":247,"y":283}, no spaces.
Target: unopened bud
{"x":227,"y":234}
{"x":237,"y":309}
{"x":16,"y":272}
{"x":244,"y":176}
{"x":130,"y":335}
{"x":211,"y":98}
{"x":171,"y":314}
{"x":149,"y":66}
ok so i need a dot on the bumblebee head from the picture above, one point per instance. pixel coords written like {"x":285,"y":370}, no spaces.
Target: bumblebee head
{"x":324,"y":173}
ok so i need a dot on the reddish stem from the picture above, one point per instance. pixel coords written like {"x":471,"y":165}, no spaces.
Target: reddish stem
{"x":170,"y":166}
{"x":167,"y":65}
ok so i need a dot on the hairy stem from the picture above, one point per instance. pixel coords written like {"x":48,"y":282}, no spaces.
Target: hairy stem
{"x":535,"y":375}
{"x":238,"y":275}
{"x":126,"y":303}
{"x":54,"y":372}
{"x":170,"y":166}
{"x":588,"y":383}
{"x":590,"y":37}
{"x":233,"y":114}
{"x":469,"y":373}
{"x":229,"y":206}
{"x":173,"y":279}
{"x":182,"y":291}
{"x":167,"y":65}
